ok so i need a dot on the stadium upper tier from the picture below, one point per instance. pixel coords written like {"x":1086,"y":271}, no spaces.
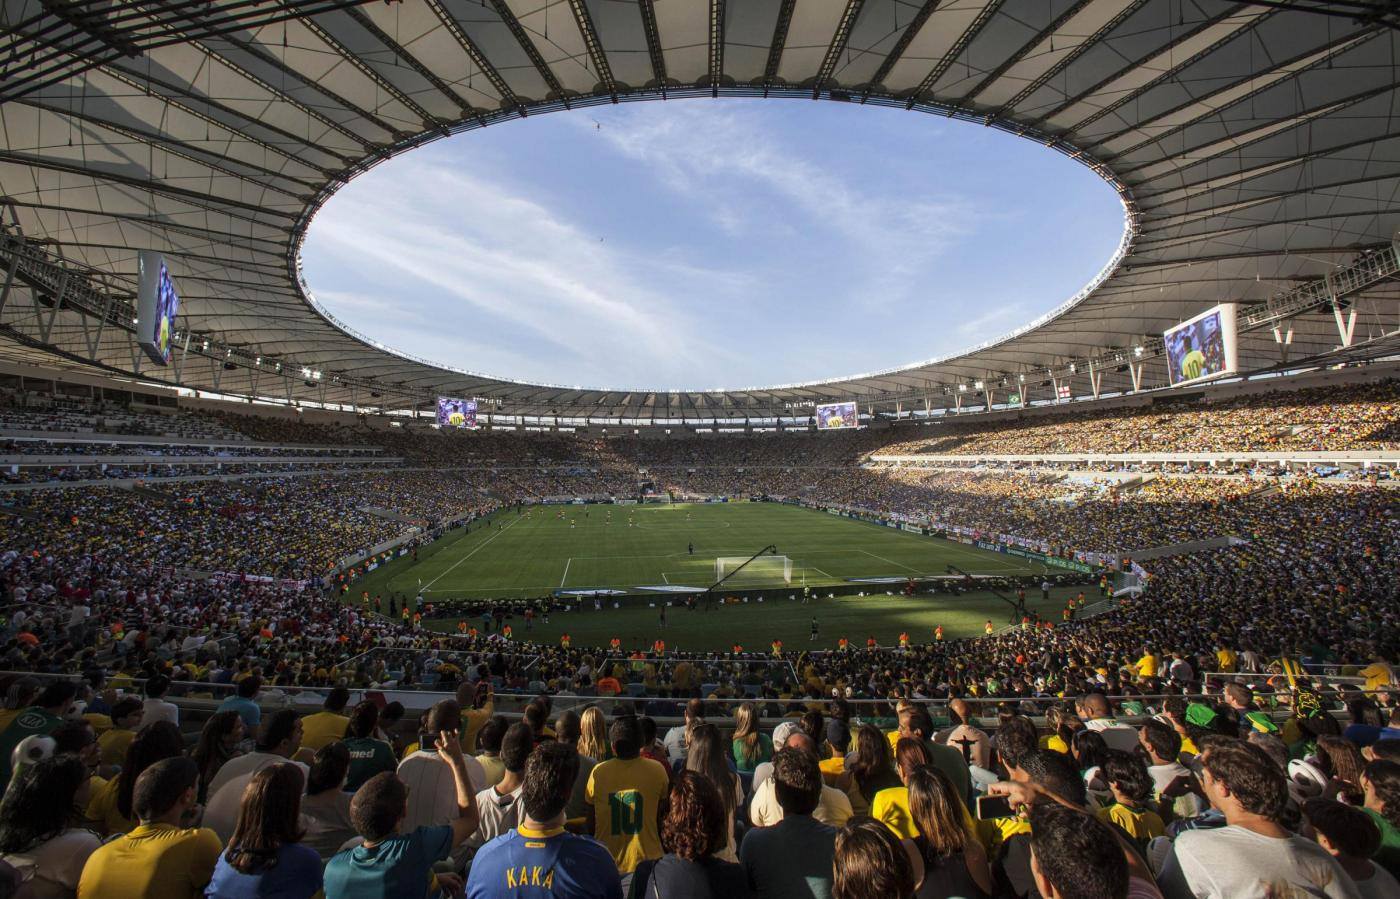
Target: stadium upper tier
{"x":1252,"y":144}
{"x":1348,"y":430}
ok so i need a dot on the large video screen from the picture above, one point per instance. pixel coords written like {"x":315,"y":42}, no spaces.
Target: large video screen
{"x":157,"y":304}
{"x":837,"y":415}
{"x":455,"y":413}
{"x":1202,"y":347}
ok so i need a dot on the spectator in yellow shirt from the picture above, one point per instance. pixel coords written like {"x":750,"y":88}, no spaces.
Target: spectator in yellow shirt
{"x":624,"y":795}
{"x":478,"y":704}
{"x":327,"y":725}
{"x":112,"y":809}
{"x":1131,"y":787}
{"x":162,"y":858}
{"x":838,"y":742}
{"x":126,"y":719}
{"x":955,"y":863}
{"x":20,"y":696}
{"x":891,"y":805}
{"x":1378,"y":674}
{"x":1147,"y":665}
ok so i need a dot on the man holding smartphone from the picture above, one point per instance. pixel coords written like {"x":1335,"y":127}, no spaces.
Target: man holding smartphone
{"x":429,"y":778}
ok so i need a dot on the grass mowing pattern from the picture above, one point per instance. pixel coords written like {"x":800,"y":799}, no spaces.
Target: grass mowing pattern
{"x":541,"y":550}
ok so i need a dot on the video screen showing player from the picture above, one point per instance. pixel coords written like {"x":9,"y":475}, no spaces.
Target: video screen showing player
{"x":1199,"y":348}
{"x":167,"y":307}
{"x":456,"y":413}
{"x":837,"y":415}
{"x":157,"y":305}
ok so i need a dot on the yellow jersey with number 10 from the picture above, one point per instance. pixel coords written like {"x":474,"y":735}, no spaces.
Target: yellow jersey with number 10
{"x":625,"y":795}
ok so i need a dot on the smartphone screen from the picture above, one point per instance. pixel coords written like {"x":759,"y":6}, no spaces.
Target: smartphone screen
{"x":427,"y":741}
{"x":989,"y":807}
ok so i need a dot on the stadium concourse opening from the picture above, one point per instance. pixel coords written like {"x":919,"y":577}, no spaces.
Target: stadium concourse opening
{"x":643,"y":572}
{"x":695,"y":242}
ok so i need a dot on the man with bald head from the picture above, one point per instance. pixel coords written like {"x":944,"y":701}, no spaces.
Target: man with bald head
{"x":965,"y":736}
{"x":832,"y":808}
{"x":1097,"y":715}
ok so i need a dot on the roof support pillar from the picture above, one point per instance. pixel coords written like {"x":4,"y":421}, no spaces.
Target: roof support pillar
{"x":136,"y":354}
{"x":180,"y":361}
{"x":1135,"y":370}
{"x":1284,"y":339}
{"x":9,"y":279}
{"x":46,"y":326}
{"x":1345,"y":329}
{"x":1095,"y":379}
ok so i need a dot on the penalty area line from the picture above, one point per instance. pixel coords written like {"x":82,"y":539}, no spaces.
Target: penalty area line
{"x":566,"y":572}
{"x":891,"y":561}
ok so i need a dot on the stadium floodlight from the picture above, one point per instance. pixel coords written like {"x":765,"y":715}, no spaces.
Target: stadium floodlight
{"x":1138,"y":351}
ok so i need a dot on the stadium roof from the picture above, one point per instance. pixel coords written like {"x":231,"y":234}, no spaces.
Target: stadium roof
{"x":1255,"y":146}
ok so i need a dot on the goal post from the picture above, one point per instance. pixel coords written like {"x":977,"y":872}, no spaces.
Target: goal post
{"x":763,"y":571}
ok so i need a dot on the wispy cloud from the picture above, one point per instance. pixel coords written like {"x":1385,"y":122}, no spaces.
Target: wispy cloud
{"x":472,"y":257}
{"x":891,"y":234}
{"x":693,"y":244}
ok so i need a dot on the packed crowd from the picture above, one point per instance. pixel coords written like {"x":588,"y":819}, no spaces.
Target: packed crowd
{"x":1048,"y":508}
{"x":1324,"y":554}
{"x":95,"y":584}
{"x":794,"y":464}
{"x":59,"y":446}
{"x":285,"y":527}
{"x":31,"y":413}
{"x":1341,"y":417}
{"x":1344,"y":417}
{"x":1213,"y":798}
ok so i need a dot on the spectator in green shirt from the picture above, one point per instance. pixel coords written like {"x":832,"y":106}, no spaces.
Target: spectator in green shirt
{"x":368,"y":756}
{"x":1381,"y":783}
{"x":40,"y":718}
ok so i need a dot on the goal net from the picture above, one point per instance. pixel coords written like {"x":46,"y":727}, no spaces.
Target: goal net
{"x":764,"y":571}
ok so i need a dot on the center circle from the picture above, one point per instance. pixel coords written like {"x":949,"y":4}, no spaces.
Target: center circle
{"x":696,"y":245}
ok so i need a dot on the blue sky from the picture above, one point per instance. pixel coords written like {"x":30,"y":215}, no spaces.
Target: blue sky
{"x":703,"y":243}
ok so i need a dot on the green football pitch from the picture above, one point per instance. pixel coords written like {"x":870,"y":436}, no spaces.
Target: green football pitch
{"x":544,"y":549}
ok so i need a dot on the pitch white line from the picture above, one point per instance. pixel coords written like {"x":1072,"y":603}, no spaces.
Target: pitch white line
{"x":566,"y":572}
{"x":470,"y":554}
{"x":891,"y":561}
